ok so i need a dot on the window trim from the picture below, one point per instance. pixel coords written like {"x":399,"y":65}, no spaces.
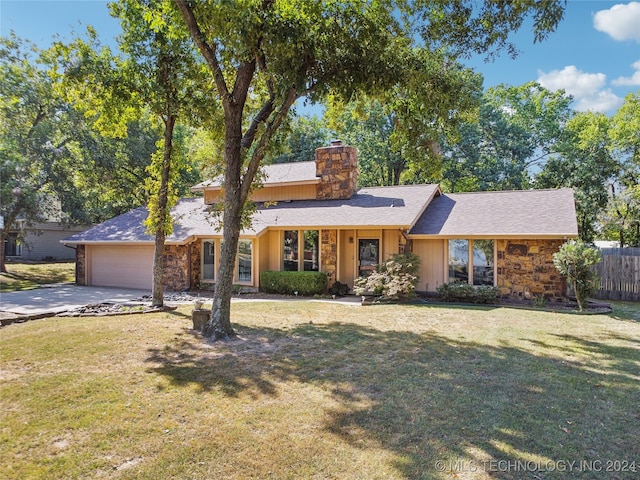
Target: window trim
{"x":301,"y":249}
{"x":214,"y":242}
{"x":236,"y":274}
{"x":470,"y":245}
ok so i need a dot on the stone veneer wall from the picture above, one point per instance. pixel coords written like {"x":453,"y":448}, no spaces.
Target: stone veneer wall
{"x":329,"y":254}
{"x":196,"y":263}
{"x":526,"y":270}
{"x":337,"y":167}
{"x":81,"y":264}
{"x":176,"y":267}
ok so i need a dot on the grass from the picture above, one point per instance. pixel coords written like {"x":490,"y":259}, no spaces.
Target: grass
{"x":316,"y":390}
{"x":27,"y":276}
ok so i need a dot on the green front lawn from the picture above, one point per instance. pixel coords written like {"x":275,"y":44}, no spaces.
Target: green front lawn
{"x":318,"y":390}
{"x":26,"y":276}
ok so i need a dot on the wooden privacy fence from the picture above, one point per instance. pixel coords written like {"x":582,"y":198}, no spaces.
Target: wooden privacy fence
{"x":619,"y":273}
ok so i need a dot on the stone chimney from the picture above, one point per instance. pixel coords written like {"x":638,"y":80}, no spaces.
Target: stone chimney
{"x":337,"y":167}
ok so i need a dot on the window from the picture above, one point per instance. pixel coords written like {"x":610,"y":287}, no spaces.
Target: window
{"x":12,"y":245}
{"x":290,"y":251}
{"x":308,"y":242}
{"x":458,"y":261}
{"x":482,"y":262}
{"x":244,"y":260}
{"x":208,"y":260}
{"x":311,"y":263}
{"x":471,"y":261}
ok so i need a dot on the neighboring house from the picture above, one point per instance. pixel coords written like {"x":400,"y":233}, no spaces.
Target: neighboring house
{"x":310,"y":216}
{"x":41,"y":241}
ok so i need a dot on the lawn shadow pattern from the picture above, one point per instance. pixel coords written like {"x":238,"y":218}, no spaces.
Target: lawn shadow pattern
{"x":429,"y":398}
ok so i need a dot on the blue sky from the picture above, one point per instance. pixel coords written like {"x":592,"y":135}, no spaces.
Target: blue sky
{"x":594,"y":54}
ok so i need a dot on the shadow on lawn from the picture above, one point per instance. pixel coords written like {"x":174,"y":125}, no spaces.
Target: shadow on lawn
{"x":430,"y":398}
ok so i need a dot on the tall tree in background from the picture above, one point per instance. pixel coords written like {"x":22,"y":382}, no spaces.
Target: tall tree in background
{"x":517,"y":129}
{"x":37,"y":132}
{"x":621,"y":219}
{"x":365,"y":124}
{"x":583,"y":160}
{"x":398,"y":131}
{"x":298,"y":140}
{"x":285,"y":50}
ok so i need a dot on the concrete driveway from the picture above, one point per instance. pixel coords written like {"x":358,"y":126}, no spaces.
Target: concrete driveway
{"x":63,"y":297}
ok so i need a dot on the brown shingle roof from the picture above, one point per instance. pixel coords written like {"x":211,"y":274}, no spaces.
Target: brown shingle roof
{"x":534,"y":213}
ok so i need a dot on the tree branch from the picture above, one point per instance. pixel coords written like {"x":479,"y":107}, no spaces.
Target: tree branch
{"x":265,"y":138}
{"x":208,"y":51}
{"x":262,"y":116}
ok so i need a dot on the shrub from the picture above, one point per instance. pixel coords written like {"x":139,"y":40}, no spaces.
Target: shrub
{"x":291,"y":283}
{"x":574,"y":260}
{"x":339,"y":289}
{"x":394,"y":279}
{"x":463,"y":292}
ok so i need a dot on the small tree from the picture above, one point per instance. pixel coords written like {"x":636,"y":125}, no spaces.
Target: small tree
{"x":574,"y":260}
{"x":395,"y":279}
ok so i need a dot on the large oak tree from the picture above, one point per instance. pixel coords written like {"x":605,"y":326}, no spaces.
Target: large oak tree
{"x":277,"y":51}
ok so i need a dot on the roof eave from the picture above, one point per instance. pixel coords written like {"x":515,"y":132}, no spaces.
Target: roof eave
{"x":493,"y":236}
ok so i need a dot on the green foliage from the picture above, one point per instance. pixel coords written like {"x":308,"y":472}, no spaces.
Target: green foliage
{"x":339,"y":289}
{"x":464,"y":292}
{"x":302,"y":135}
{"x":395,"y":279}
{"x":621,"y":220}
{"x":397,"y":132}
{"x":294,"y":283}
{"x":517,"y":128}
{"x":574,"y":260}
{"x":583,"y":161}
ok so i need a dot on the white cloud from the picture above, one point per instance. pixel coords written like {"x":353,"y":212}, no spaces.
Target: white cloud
{"x":575,"y":82}
{"x":621,"y":22}
{"x":587,"y":89}
{"x":603,"y":101}
{"x":633,"y":80}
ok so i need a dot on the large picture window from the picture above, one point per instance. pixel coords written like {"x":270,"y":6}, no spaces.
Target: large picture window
{"x":471,"y":261}
{"x":244,"y":260}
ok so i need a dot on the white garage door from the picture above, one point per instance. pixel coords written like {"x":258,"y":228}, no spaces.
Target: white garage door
{"x":120,"y":266}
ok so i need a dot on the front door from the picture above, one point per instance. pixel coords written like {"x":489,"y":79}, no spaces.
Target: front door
{"x":368,"y":256}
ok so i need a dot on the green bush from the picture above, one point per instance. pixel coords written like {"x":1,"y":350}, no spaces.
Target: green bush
{"x":463,"y":292}
{"x":339,"y":289}
{"x":394,"y":279}
{"x":574,"y":260}
{"x":294,"y":283}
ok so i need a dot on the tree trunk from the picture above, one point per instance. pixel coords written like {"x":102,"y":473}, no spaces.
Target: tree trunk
{"x":219,"y":326}
{"x":157,"y":294}
{"x":3,"y":237}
